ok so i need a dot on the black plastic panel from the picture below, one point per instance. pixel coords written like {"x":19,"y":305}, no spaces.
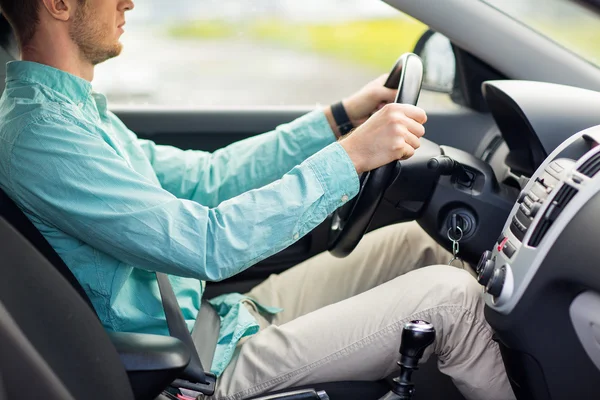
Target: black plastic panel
{"x":488,"y":202}
{"x":544,"y":356}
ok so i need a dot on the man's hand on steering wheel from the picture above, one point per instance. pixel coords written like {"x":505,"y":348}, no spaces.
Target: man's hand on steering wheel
{"x":391,"y":134}
{"x":362,"y":104}
{"x":371,"y":98}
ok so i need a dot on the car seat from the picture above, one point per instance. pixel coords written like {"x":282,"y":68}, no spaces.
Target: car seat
{"x":51,"y":335}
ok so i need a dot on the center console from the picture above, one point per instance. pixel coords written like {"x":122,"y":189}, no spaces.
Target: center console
{"x":542,"y":279}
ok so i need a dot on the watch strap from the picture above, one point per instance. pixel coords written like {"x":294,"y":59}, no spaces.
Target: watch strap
{"x":341,"y":118}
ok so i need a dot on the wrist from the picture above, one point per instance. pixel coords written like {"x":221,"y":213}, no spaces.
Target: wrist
{"x":342,"y":121}
{"x":332,"y":123}
{"x":354,"y":155}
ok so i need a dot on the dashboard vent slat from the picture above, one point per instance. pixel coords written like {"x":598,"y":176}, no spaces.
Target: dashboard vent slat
{"x":559,"y":203}
{"x":591,"y":166}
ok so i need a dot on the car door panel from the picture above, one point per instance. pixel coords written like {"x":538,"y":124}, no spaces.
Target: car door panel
{"x":202,"y":129}
{"x":209,"y":130}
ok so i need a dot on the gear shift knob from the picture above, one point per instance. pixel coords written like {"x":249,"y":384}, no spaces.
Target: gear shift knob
{"x":416,"y":337}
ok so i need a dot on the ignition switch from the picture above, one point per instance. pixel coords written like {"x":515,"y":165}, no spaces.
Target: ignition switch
{"x":462,"y":219}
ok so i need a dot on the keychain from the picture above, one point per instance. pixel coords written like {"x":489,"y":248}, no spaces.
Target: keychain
{"x":456,"y":246}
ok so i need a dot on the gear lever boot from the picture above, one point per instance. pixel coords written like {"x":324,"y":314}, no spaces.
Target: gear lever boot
{"x":416,"y":337}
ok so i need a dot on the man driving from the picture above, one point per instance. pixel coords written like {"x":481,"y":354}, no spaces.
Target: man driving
{"x":117,"y":208}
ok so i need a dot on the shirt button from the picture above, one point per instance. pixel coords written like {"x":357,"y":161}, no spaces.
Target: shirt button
{"x":345,"y":198}
{"x":296,"y":236}
{"x":80,"y":105}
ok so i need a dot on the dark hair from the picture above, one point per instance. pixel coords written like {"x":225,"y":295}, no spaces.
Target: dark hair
{"x":23,"y":16}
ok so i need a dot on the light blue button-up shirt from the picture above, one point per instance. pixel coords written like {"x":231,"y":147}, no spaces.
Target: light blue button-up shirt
{"x":116,"y":208}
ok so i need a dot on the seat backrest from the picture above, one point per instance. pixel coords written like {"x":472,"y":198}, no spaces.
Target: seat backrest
{"x":19,"y":221}
{"x":22,"y":365}
{"x":48,"y":334}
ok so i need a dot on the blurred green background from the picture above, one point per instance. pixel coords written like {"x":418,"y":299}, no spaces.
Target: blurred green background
{"x":329,"y":47}
{"x":372,"y":43}
{"x":369,"y":42}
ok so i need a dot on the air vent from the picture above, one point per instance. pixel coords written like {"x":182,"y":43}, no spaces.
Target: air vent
{"x":560,"y":201}
{"x":591,"y":166}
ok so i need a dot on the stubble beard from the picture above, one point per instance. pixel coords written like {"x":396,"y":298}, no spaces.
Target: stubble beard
{"x":90,"y":38}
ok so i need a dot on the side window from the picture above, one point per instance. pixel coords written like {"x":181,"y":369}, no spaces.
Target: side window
{"x":255,"y":53}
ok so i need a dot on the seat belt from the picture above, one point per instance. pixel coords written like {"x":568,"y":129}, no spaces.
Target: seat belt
{"x":195,"y":376}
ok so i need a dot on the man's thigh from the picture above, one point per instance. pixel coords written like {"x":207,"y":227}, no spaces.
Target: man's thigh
{"x":381,"y":256}
{"x":359,"y":338}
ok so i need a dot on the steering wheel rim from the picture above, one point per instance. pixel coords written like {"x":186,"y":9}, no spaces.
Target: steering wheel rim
{"x":351,"y":221}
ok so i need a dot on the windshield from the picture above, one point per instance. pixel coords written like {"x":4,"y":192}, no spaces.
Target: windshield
{"x":569,"y":23}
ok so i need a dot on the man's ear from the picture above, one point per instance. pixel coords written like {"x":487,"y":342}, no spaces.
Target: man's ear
{"x":62,"y":10}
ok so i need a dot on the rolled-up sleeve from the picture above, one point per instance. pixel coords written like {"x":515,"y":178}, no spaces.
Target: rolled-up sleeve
{"x":78,"y":183}
{"x":211,"y":178}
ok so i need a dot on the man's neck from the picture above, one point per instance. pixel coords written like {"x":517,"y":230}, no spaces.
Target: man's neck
{"x":59,"y":53}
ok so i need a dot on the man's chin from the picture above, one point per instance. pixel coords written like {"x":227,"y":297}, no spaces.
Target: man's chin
{"x":108,"y":54}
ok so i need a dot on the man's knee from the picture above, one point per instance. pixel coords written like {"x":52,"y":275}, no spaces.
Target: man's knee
{"x":450,"y":286}
{"x":463,"y":287}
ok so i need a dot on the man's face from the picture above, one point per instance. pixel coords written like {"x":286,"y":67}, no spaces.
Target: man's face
{"x":97,"y":27}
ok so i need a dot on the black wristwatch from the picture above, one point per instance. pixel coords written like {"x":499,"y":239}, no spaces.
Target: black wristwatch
{"x":341,"y":118}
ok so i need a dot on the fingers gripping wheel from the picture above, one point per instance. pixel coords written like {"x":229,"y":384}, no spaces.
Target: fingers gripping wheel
{"x":350,"y":222}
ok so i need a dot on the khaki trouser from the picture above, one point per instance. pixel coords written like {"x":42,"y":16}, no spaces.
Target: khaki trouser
{"x":343,"y":319}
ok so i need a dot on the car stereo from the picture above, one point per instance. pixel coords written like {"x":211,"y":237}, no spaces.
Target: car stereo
{"x":542,"y":279}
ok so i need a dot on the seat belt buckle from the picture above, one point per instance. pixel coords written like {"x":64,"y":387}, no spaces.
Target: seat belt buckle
{"x":207,"y":389}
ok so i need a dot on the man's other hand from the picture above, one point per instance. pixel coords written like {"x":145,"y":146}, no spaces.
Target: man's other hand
{"x":391,"y":134}
{"x":371,"y":98}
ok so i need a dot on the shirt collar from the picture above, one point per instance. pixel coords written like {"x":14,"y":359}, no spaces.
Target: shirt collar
{"x":101,"y":103}
{"x":75,"y":88}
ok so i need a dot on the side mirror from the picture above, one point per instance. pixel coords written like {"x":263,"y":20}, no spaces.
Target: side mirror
{"x":439,"y":62}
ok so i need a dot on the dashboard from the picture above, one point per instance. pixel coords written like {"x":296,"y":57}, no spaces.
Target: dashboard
{"x":541,"y":278}
{"x":534,"y":118}
{"x":542,"y":282}
{"x":507,"y":270}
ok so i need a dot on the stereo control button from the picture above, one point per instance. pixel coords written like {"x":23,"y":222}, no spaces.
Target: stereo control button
{"x":509,"y":249}
{"x":496,"y":283}
{"x":485,"y":257}
{"x":535,"y":209}
{"x":486,"y":272}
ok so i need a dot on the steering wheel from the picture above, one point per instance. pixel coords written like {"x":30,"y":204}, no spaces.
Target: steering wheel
{"x":351,"y":221}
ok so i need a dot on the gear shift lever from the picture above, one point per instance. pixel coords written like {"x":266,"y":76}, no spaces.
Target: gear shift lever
{"x":416,"y":337}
